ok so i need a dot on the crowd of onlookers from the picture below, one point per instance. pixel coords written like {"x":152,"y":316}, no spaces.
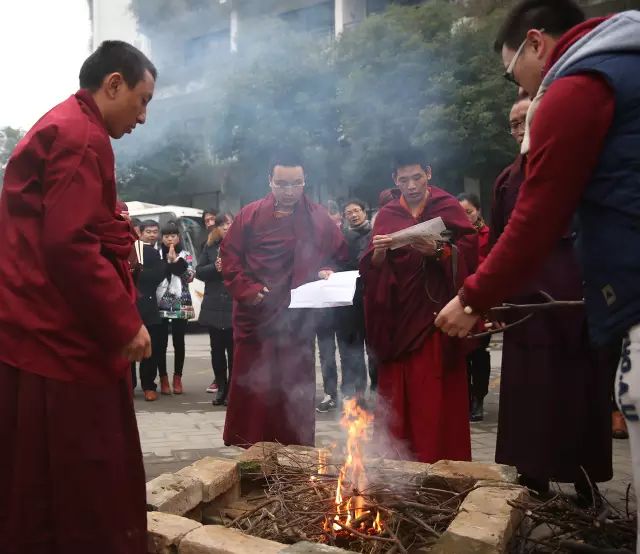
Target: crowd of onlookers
{"x":165,"y":305}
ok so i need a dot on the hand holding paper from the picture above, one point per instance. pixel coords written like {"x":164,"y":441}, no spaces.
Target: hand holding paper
{"x":431,"y":229}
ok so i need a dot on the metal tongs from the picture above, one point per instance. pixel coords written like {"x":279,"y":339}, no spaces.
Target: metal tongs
{"x":549,"y":303}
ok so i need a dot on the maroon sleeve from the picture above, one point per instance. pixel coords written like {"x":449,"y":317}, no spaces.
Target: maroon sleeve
{"x":569,"y":131}
{"x":86,"y":279}
{"x":241,"y":286}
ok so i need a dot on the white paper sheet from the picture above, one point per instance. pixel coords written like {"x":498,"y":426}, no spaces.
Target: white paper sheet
{"x":428,"y":229}
{"x":337,"y":290}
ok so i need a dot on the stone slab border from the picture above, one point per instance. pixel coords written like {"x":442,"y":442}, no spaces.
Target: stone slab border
{"x":177,"y":501}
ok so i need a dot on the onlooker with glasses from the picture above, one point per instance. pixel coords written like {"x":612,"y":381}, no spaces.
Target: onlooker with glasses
{"x":351,"y":330}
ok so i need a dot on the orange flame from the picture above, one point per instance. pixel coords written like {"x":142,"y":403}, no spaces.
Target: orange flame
{"x":377,"y":525}
{"x":357,"y":422}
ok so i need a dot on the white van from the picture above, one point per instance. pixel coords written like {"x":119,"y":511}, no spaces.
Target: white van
{"x":192,"y":234}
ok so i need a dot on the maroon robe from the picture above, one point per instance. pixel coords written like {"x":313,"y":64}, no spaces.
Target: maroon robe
{"x":272,"y":391}
{"x":71,"y":471}
{"x":554,"y":413}
{"x":422,"y":376}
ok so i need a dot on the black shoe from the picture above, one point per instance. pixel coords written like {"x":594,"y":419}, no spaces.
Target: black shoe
{"x":221,"y":397}
{"x":328,"y":404}
{"x":540,"y":487}
{"x":477,"y":410}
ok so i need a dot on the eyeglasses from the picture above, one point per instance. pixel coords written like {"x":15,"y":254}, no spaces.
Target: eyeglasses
{"x":515,"y":126}
{"x":508,"y":74}
{"x":353,"y":211}
{"x":281,"y":185}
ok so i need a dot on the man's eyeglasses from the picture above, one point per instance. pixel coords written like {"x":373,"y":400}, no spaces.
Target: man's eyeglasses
{"x":353,"y":211}
{"x":281,"y":185}
{"x":515,"y":126}
{"x":508,"y":74}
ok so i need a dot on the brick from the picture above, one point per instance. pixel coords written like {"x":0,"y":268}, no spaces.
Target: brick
{"x":164,"y":532}
{"x":485,"y":524}
{"x":215,"y":539}
{"x":259,"y":458}
{"x":411,"y":471}
{"x":173,"y":494}
{"x":211,"y":510}
{"x":217,"y":476}
{"x":464,"y":475}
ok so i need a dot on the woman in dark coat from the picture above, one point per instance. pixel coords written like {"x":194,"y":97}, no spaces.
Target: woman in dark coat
{"x":215,"y":312}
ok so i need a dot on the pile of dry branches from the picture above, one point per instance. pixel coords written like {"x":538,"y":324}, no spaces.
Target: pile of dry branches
{"x":559,"y":525}
{"x":299,"y":505}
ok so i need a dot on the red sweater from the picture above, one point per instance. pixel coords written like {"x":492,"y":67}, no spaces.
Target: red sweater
{"x":67,"y":301}
{"x":567,"y":137}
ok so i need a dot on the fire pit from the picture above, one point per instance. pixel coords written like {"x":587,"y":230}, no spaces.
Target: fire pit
{"x":301,"y":499}
{"x":346,"y":505}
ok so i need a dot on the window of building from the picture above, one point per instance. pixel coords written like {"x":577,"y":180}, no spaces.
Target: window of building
{"x":198,"y":48}
{"x":377,"y":6}
{"x":319,"y":18}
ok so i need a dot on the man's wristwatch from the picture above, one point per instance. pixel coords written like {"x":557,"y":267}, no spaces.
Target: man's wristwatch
{"x":439,"y":252}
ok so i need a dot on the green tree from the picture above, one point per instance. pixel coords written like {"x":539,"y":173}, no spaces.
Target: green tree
{"x":9,"y":138}
{"x":423,"y":76}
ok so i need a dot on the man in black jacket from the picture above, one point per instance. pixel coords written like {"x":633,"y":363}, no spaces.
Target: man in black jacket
{"x":151,"y":275}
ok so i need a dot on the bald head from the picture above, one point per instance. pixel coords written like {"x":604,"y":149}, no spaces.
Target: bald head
{"x":517,"y":118}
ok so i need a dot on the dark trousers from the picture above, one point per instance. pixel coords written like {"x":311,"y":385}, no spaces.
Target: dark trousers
{"x":178,"y":332}
{"x":354,"y":369}
{"x":373,"y":369}
{"x":134,"y":376}
{"x":327,"y":350}
{"x":478,"y":370}
{"x":149,"y":366}
{"x":221,"y":341}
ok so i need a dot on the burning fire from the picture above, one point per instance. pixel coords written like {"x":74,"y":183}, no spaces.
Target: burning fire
{"x":352,"y":479}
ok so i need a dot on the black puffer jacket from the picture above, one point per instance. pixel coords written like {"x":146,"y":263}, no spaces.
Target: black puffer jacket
{"x":152,"y":273}
{"x":358,"y":240}
{"x":217,"y":303}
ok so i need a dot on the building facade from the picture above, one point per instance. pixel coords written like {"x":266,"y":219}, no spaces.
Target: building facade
{"x":114,"y":20}
{"x":183,"y":37}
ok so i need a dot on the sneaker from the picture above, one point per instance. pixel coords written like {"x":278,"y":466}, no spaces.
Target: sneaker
{"x":328,"y":404}
{"x":212,"y":387}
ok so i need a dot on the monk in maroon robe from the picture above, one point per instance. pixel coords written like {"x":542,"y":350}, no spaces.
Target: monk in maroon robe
{"x":422,"y":383}
{"x":544,"y":431}
{"x":71,"y":473}
{"x":274,"y":245}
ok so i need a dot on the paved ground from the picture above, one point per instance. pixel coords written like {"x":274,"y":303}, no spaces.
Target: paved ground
{"x":176,"y":430}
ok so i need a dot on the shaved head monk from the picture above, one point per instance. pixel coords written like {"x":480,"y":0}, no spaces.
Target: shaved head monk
{"x":71,"y":471}
{"x":274,"y":245}
{"x":422,"y":379}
